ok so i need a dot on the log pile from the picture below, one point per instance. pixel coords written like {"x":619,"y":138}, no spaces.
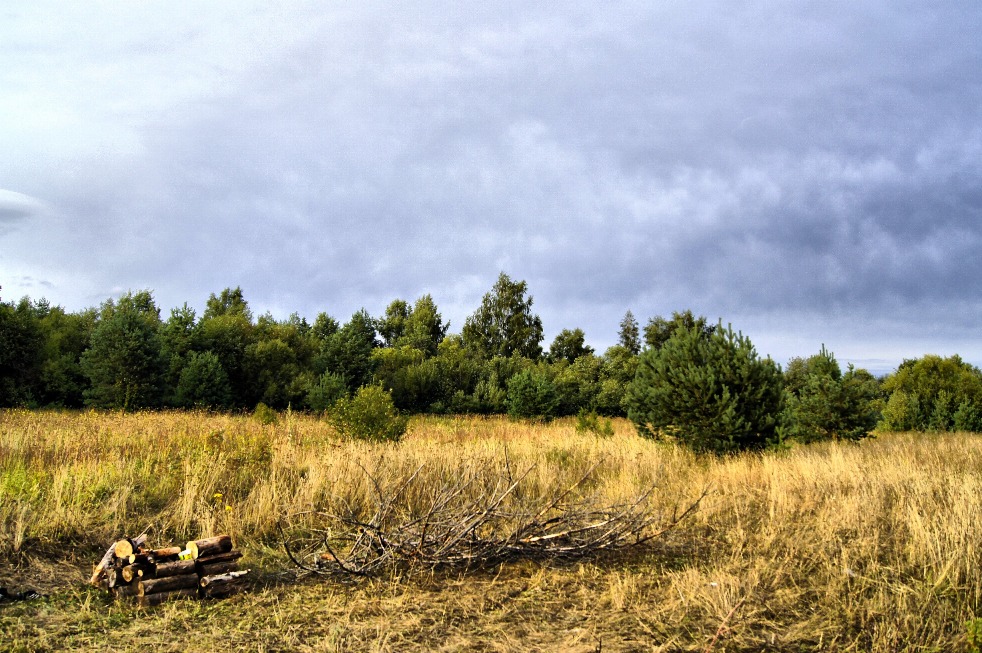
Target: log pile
{"x":206,"y":568}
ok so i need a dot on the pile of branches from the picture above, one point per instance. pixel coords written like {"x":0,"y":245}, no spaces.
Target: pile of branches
{"x":471,"y":521}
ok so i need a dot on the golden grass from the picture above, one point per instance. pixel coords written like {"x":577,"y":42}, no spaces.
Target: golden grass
{"x":840,"y":547}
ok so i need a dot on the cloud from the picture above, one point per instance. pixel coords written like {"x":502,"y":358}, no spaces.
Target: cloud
{"x":791,"y":168}
{"x":15,"y":207}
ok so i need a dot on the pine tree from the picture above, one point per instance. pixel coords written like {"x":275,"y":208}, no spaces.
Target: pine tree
{"x":824,"y":404}
{"x":629,"y":336}
{"x":711,"y":393}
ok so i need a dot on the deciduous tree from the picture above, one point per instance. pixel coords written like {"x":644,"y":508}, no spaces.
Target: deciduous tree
{"x":504,"y":325}
{"x":123,"y":362}
{"x":569,"y":345}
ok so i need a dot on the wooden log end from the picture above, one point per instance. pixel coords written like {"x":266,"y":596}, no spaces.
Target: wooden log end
{"x":123,"y":548}
{"x":126,"y":547}
{"x":210,"y":546}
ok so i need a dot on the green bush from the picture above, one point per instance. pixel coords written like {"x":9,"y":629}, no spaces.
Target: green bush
{"x":708,"y":390}
{"x":369,"y":415}
{"x":933,"y":394}
{"x":326,"y":392}
{"x":203,"y":383}
{"x":822,"y":403}
{"x":264,"y":414}
{"x":974,"y":628}
{"x":532,"y":394}
{"x":590,"y":422}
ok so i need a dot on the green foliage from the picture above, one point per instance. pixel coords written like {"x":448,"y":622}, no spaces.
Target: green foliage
{"x":708,"y":390}
{"x":424,"y":327}
{"x":968,"y":417}
{"x":228,"y":302}
{"x":265,"y":415}
{"x":933,"y":393}
{"x":348,"y":352}
{"x":418,"y":327}
{"x":326,"y":391}
{"x":973,"y":629}
{"x":459,"y":372}
{"x":412,"y":379}
{"x":21,"y":348}
{"x":578,"y":384}
{"x":179,"y":337}
{"x":392,"y":325}
{"x":610,"y":398}
{"x":628,"y":336}
{"x":123,"y":361}
{"x":569,"y":345}
{"x":66,"y":337}
{"x":324,"y":327}
{"x":271,"y":366}
{"x":532,"y":394}
{"x":590,"y":422}
{"x":369,"y":415}
{"x":823,"y":404}
{"x":227,"y":336}
{"x":659,"y":330}
{"x":203,"y":383}
{"x":504,"y":325}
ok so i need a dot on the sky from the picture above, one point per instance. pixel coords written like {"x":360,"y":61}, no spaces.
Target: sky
{"x":808,"y":172}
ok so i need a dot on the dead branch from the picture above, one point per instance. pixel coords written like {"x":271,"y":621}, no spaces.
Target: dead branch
{"x":473,"y":519}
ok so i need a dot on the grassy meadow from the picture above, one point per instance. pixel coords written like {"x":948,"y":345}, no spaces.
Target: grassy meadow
{"x":832,"y":547}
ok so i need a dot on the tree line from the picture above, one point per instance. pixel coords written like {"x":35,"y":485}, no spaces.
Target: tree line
{"x":677,"y":377}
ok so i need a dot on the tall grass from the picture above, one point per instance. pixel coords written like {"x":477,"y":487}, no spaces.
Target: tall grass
{"x":871,"y":546}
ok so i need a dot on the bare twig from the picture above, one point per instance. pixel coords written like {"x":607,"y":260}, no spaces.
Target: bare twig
{"x":469,"y":520}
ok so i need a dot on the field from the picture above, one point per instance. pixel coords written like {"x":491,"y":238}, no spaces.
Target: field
{"x":833,"y":547}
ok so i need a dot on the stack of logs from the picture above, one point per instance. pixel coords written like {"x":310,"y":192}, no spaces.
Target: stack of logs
{"x":206,"y":568}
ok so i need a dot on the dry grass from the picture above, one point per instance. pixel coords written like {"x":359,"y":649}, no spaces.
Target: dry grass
{"x":870,"y":547}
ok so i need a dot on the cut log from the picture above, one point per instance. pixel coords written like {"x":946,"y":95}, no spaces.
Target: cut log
{"x":98,"y":570}
{"x":135,"y":571}
{"x":217,"y":568}
{"x":228,"y":556}
{"x":168,"y":584}
{"x":149,"y":600}
{"x":208,"y":580}
{"x":126,"y":547}
{"x":219,"y":585}
{"x":166,"y":554}
{"x":210,"y":546}
{"x":139,"y":559}
{"x":125,"y":591}
{"x":176,"y":568}
{"x":116,"y":578}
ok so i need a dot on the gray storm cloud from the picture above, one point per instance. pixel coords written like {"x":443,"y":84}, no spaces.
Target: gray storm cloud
{"x":806,"y":171}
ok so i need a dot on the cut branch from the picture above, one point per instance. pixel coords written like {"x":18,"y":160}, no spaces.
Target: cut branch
{"x":469,"y":521}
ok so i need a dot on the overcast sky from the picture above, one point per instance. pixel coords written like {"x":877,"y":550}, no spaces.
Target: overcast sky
{"x":809,"y":171}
